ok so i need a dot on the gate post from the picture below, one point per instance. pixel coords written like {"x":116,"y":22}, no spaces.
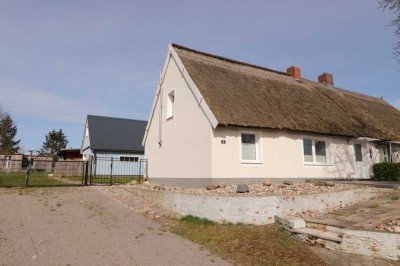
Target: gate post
{"x":111,"y":168}
{"x":140,"y":170}
{"x":86,"y":165}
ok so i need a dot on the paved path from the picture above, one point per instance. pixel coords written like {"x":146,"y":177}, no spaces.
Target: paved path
{"x":365,"y":215}
{"x":81,"y":226}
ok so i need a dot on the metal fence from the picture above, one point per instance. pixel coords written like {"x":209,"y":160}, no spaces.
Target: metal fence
{"x":109,"y":170}
{"x":97,"y":171}
{"x":17,"y":173}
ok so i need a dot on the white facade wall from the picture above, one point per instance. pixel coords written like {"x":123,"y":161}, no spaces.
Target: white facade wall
{"x":282,"y":156}
{"x":85,"y":149}
{"x":185,"y":151}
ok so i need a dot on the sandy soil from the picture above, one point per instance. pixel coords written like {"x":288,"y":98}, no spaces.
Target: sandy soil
{"x":82,"y":226}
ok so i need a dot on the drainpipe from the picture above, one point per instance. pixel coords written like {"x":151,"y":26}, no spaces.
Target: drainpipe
{"x":390,"y":152}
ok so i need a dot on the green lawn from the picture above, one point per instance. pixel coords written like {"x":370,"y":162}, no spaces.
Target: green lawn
{"x":35,"y":179}
{"x":42,"y":179}
{"x":245,"y":244}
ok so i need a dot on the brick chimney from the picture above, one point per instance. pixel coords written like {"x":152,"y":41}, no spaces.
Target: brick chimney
{"x":294,"y":71}
{"x":326,"y":78}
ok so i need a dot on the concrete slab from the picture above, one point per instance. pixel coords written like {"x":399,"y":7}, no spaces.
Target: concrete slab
{"x":320,"y":234}
{"x":366,"y":215}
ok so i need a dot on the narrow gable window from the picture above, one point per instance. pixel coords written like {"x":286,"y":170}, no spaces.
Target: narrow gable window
{"x":170,"y":104}
{"x":315,"y":151}
{"x":358,"y":152}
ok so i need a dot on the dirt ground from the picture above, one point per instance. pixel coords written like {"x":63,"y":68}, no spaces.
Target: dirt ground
{"x":81,"y":226}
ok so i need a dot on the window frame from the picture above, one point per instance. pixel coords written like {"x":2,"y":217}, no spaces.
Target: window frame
{"x":129,"y":161}
{"x":355,"y":153}
{"x":170,"y":111}
{"x":258,"y":148}
{"x":328,"y":151}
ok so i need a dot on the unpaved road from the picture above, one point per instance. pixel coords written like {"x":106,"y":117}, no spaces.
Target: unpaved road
{"x":82,"y":226}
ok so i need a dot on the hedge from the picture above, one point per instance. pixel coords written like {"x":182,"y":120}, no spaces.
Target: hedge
{"x":386,"y":171}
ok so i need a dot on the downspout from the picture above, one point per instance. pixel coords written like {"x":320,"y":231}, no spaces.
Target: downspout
{"x":161,"y":108}
{"x":390,"y":152}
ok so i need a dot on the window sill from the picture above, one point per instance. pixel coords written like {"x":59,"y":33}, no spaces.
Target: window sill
{"x":251,"y":162}
{"x":318,"y":164}
{"x":170,"y":117}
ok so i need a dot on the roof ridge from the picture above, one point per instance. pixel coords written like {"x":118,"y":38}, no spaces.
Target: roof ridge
{"x":120,"y":118}
{"x":228,"y":59}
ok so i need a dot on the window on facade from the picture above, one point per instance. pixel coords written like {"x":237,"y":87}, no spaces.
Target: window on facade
{"x":170,"y":104}
{"x":320,"y":151}
{"x":315,"y":151}
{"x":250,"y":150}
{"x":358,"y":152}
{"x":307,"y":147}
{"x":86,"y":132}
{"x":128,"y":159}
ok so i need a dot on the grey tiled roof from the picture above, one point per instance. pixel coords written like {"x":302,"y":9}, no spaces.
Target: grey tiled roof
{"x":116,"y":134}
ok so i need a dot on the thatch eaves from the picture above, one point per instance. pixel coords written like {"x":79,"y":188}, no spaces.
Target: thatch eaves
{"x":245,"y":95}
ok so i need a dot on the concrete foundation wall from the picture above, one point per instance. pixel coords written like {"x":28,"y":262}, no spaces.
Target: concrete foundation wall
{"x":372,"y":243}
{"x":251,"y":210}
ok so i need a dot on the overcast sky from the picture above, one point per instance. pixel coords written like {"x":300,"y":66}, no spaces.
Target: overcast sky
{"x":61,"y":60}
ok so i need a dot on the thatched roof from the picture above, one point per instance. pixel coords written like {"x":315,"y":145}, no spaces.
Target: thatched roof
{"x":245,"y":95}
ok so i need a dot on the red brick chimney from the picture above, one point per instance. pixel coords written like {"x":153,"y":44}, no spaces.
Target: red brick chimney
{"x":294,"y":71}
{"x":326,"y":78}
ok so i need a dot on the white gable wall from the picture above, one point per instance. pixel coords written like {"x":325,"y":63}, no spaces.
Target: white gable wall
{"x":282,"y":156}
{"x":85,"y":148}
{"x":186,"y":137}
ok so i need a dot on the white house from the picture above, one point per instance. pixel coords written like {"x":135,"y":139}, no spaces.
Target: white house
{"x":113,"y":140}
{"x":217,"y":119}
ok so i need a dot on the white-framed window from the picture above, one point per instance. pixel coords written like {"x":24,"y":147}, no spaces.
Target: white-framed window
{"x":170,"y":104}
{"x":128,"y":159}
{"x":250,"y":147}
{"x":316,"y":151}
{"x":358,"y":152}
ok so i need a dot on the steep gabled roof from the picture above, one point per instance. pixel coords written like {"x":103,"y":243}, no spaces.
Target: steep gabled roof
{"x":116,"y":134}
{"x":245,"y":95}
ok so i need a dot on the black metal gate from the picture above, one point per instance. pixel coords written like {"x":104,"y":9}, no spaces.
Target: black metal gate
{"x":111,"y":170}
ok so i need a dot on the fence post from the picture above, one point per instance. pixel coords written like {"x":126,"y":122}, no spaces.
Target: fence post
{"x":86,"y":165}
{"x":140,"y":170}
{"x":111,"y":168}
{"x":27,"y":175}
{"x":93,"y":171}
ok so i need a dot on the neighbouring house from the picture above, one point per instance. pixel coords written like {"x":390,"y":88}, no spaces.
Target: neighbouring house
{"x":69,"y":163}
{"x":216,"y":119}
{"x":20,"y":162}
{"x":113,"y":141}
{"x":13,"y":162}
{"x":70,"y":154}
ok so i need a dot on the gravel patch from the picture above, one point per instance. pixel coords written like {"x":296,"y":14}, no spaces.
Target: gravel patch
{"x":259,"y":190}
{"x":392,"y":226}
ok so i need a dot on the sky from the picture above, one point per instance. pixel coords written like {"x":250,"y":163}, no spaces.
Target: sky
{"x":62,"y":60}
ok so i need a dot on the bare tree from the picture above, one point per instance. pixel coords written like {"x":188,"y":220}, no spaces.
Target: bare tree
{"x":394,"y":6}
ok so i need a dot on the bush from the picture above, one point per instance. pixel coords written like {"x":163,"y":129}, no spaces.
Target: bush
{"x":386,"y":171}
